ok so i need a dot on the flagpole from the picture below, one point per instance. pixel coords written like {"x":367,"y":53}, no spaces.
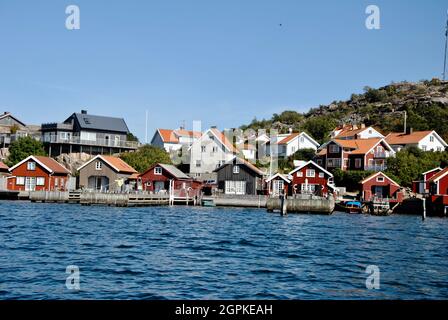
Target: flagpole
{"x":446,"y":47}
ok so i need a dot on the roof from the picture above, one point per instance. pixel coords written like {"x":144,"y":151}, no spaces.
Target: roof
{"x":243,"y":162}
{"x":359,"y":146}
{"x":377,"y":174}
{"x":429,"y":171}
{"x":439,"y":175}
{"x":3,"y":167}
{"x":8,"y":114}
{"x":172,"y":136}
{"x":49,"y":164}
{"x":173,"y":170}
{"x":289,"y":138}
{"x":348,"y":131}
{"x":312,"y":163}
{"x":403,"y":138}
{"x":279,"y":175}
{"x":116,"y":163}
{"x":93,"y":122}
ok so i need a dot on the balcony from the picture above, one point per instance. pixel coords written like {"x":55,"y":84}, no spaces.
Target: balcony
{"x":376,"y":168}
{"x":381,"y":154}
{"x":97,"y":143}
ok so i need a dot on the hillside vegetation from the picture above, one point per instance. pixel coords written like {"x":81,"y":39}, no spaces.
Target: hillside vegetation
{"x":425,"y":102}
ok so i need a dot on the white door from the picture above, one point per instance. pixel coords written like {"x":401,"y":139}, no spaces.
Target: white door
{"x":278,"y":186}
{"x":235,"y":187}
{"x":30,"y":183}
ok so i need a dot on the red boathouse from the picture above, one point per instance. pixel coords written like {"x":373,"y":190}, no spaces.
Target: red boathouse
{"x":380,"y":186}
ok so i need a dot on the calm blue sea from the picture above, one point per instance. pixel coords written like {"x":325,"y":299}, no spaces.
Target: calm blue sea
{"x":216,"y":253}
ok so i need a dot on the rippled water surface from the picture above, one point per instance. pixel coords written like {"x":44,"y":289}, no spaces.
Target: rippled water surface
{"x":215,"y":253}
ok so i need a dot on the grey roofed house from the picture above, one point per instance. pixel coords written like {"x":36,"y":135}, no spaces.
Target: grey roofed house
{"x":93,"y":122}
{"x":86,"y":133}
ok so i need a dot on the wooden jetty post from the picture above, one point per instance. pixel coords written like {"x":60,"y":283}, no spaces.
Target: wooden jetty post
{"x":424,"y":209}
{"x":283,"y":208}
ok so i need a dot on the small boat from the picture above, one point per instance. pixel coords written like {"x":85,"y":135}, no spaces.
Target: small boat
{"x":208,"y":203}
{"x":351,"y":206}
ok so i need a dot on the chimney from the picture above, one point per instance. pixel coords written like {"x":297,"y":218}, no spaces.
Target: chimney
{"x":213,"y":127}
{"x":409,"y":130}
{"x":355,"y":127}
{"x":363,"y":125}
{"x":290,"y":130}
{"x":83,"y":111}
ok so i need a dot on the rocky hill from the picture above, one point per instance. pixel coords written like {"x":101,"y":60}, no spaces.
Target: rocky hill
{"x":425,"y":102}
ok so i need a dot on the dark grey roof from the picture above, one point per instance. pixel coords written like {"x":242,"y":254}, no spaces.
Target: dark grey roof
{"x":174,"y":171}
{"x":89,"y":121}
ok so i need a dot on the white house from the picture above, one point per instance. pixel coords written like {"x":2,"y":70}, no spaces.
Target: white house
{"x":348,"y":132}
{"x":209,"y":152}
{"x":424,"y":140}
{"x":290,"y":143}
{"x":172,"y":140}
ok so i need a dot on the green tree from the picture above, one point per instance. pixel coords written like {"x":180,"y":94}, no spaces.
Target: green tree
{"x":23,"y":148}
{"x":320,"y":127}
{"x":131,"y":137}
{"x":304,"y":154}
{"x":145,"y":157}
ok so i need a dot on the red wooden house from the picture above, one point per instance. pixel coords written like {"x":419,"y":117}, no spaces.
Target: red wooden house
{"x":438,"y":190}
{"x":4,"y":169}
{"x":38,"y":173}
{"x":158,"y":177}
{"x":380,"y":186}
{"x":422,"y":186}
{"x":310,"y":178}
{"x":278,"y":184}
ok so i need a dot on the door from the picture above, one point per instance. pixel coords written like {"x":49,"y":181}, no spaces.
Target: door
{"x":378,"y":191}
{"x":159,"y":186}
{"x":117,"y":141}
{"x":30,"y":183}
{"x":107,"y":140}
{"x":235,"y":187}
{"x":278,"y":187}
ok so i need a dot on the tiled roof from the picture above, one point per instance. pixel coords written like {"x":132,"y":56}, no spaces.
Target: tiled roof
{"x":377,"y":174}
{"x":118,"y":164}
{"x":222,"y":137}
{"x":172,"y":136}
{"x":439,"y":175}
{"x":51,"y":164}
{"x":402,"y":138}
{"x":289,"y":138}
{"x":359,"y":146}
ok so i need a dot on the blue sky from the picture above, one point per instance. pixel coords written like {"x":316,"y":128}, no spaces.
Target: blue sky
{"x":222,"y":62}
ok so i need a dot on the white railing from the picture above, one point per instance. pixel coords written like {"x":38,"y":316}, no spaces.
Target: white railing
{"x":96,"y":142}
{"x":376,"y":168}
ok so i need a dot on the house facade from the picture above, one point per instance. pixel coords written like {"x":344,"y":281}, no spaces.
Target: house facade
{"x":209,"y":152}
{"x":310,"y":178}
{"x":173,"y":140}
{"x":422,"y":186}
{"x":424,"y":140}
{"x":438,"y":183}
{"x":289,"y":144}
{"x":83,"y":132}
{"x":107,"y":174}
{"x":380,"y":186}
{"x":38,"y":173}
{"x":239,"y":177}
{"x":158,"y":177}
{"x":355,"y":154}
{"x":278,"y":184}
{"x":11,"y":129}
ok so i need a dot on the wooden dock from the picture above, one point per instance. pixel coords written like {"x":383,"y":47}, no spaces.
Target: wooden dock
{"x":302,"y":204}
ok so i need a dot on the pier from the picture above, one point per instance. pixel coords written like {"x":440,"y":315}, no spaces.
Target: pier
{"x":302,"y":204}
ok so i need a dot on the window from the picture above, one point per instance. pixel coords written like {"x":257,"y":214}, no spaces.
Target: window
{"x":358,"y":163}
{"x":439,"y":148}
{"x":98,"y":165}
{"x":380,"y":179}
{"x":321,"y":175}
{"x":424,"y":148}
{"x":198,"y":163}
{"x":40,"y":181}
{"x":158,"y":170}
{"x":319,"y":162}
{"x":90,"y":136}
{"x":300,"y":174}
{"x":431,"y":138}
{"x":56,"y":182}
{"x":310,"y":173}
{"x":203,"y":148}
{"x":302,"y":139}
{"x":334,"y":148}
{"x":31,"y":166}
{"x":334,"y":163}
{"x":20,"y":181}
{"x":215,"y":149}
{"x":236,"y":169}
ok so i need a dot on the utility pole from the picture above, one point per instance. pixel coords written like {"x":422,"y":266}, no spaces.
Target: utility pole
{"x":146,"y":127}
{"x":446,"y":47}
{"x":405,"y":118}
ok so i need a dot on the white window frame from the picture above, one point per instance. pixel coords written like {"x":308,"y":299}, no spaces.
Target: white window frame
{"x":98,"y":165}
{"x":40,"y":181}
{"x":380,"y":179}
{"x":31,"y":166}
{"x":334,"y":148}
{"x":20,"y":181}
{"x":431,"y":138}
{"x":203,"y":149}
{"x":300,"y":174}
{"x":358,"y":163}
{"x":158,"y":171}
{"x":236,"y":169}
{"x":198,"y":163}
{"x":321,"y":175}
{"x":310,"y":173}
